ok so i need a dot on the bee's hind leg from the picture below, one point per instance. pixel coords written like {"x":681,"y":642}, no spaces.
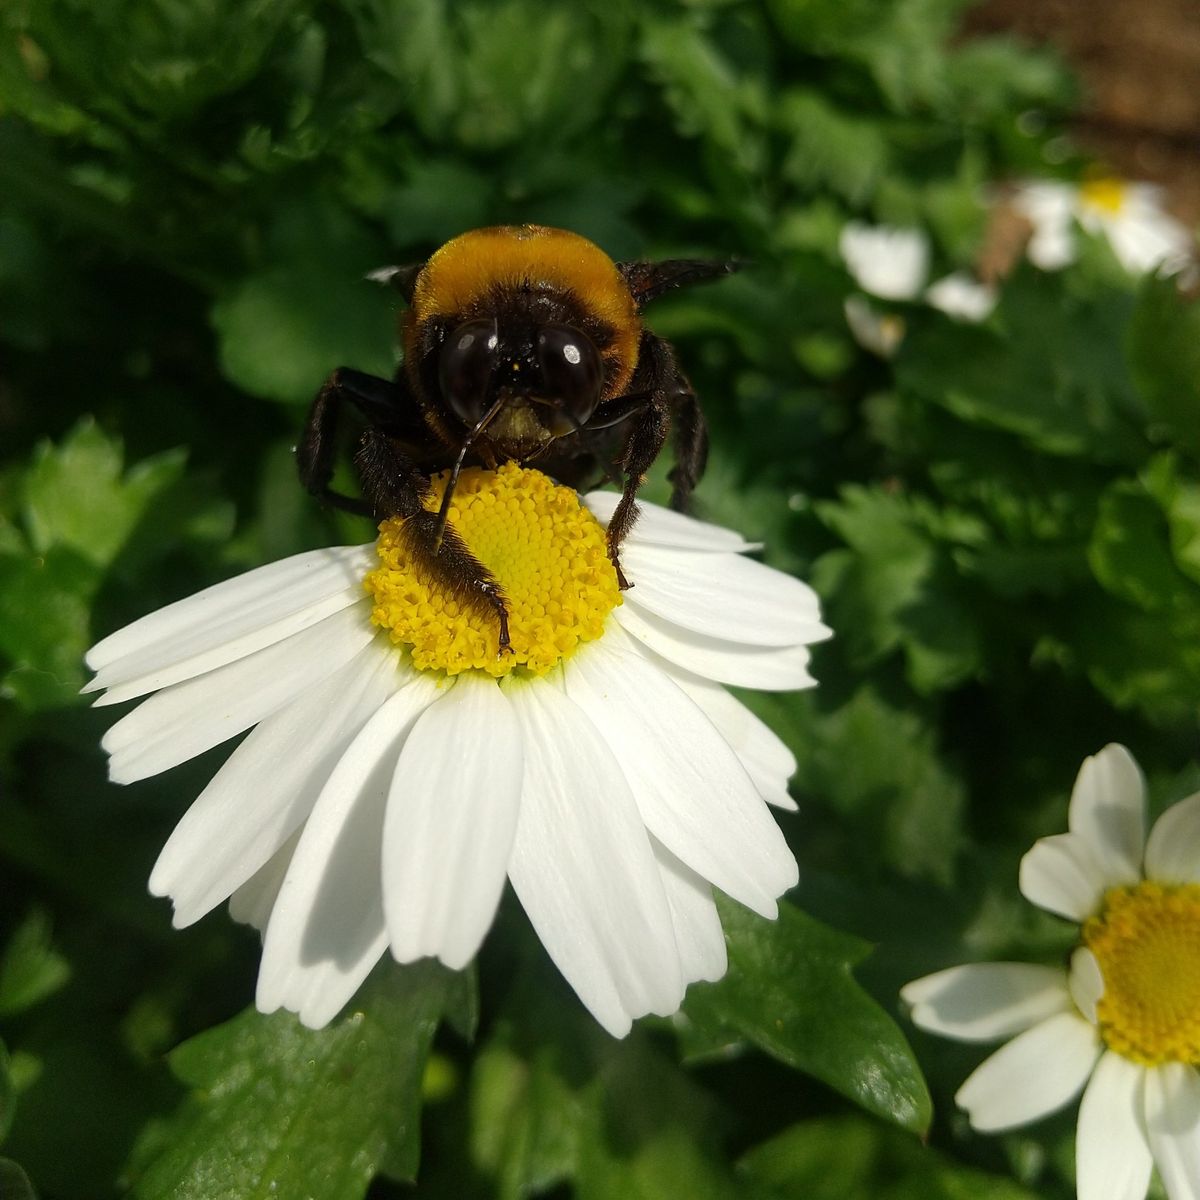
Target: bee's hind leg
{"x":396,"y":487}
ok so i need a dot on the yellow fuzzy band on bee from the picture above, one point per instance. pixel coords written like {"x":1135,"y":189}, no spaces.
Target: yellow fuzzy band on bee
{"x":477,"y":264}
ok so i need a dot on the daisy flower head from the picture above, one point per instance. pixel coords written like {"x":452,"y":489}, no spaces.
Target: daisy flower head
{"x":1121,"y":1023}
{"x":1131,"y":216}
{"x":399,"y":769}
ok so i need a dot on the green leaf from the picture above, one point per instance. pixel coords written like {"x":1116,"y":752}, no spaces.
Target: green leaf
{"x":1051,"y":369}
{"x":901,"y":804}
{"x":831,"y":148}
{"x":282,"y":329}
{"x":650,"y":1133}
{"x":30,"y":969}
{"x":895,"y":587}
{"x":280,"y":1110}
{"x":45,"y":626}
{"x":76,"y":496}
{"x":1164,"y":356}
{"x":1130,"y":553}
{"x":790,"y":992}
{"x":850,"y":1159}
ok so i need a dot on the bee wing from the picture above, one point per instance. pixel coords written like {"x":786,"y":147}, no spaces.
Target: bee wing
{"x":649,"y":280}
{"x":403,"y":279}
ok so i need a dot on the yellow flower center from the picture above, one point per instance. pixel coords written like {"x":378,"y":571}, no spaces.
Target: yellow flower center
{"x":546,"y":551}
{"x":1106,"y":194}
{"x":1146,"y":940}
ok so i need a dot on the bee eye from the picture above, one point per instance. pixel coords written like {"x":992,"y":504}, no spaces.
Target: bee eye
{"x":465,"y":367}
{"x":572,"y":375}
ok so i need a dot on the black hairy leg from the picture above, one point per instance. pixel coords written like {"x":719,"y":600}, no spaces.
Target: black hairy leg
{"x":382,"y":403}
{"x":662,"y":392}
{"x":396,"y":487}
{"x":691,"y":444}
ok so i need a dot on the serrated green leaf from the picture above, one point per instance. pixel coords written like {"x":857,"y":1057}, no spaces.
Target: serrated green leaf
{"x":279,"y":1110}
{"x":790,"y":992}
{"x":76,"y":495}
{"x":30,"y":968}
{"x":895,"y":588}
{"x":1051,"y":369}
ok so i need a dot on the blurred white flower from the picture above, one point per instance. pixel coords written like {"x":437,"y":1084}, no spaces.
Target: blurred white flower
{"x":878,"y":332}
{"x":962,"y":297}
{"x":893,"y":264}
{"x":399,"y":769}
{"x":1122,"y":1024}
{"x":1143,"y":235}
{"x":887,"y":262}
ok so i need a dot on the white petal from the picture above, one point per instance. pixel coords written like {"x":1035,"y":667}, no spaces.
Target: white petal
{"x":982,"y":1002}
{"x":327,"y":930}
{"x":451,"y":817}
{"x":1060,"y":875}
{"x":189,"y":718}
{"x":208,"y":649}
{"x":242,"y":610}
{"x":1173,"y":1127}
{"x":768,"y":669}
{"x":1112,"y":1159}
{"x":1108,"y":811}
{"x":888,"y":262}
{"x":1037,"y":1073}
{"x":268,"y":786}
{"x":690,"y":787}
{"x":768,"y":761}
{"x":722,"y":596}
{"x":1086,"y":983}
{"x":1173,"y":848}
{"x":962,"y":297}
{"x":698,"y":932}
{"x":583,"y":868}
{"x":657,"y":526}
{"x":879,"y":332}
{"x":251,"y":904}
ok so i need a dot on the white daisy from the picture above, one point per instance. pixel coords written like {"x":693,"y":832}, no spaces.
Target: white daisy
{"x":962,"y":297}
{"x":1122,"y":1024}
{"x":891,"y":263}
{"x":1143,"y":235}
{"x":399,"y":769}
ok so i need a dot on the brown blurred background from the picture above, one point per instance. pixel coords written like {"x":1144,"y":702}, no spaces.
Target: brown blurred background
{"x":1139,"y":62}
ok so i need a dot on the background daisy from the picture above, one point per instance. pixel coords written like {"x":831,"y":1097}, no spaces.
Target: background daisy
{"x":1122,"y":1024}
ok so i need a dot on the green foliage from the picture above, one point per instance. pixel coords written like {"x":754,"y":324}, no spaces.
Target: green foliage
{"x":1003,"y":523}
{"x":790,"y":992}
{"x":277,"y":1109}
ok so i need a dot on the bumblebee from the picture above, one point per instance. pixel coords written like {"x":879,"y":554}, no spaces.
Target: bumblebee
{"x":521,"y":343}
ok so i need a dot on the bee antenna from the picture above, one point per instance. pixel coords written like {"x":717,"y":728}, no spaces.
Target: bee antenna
{"x":451,"y":483}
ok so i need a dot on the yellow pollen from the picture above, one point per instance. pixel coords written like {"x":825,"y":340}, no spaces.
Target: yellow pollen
{"x":1106,"y":194}
{"x":546,"y":551}
{"x":1146,"y":940}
